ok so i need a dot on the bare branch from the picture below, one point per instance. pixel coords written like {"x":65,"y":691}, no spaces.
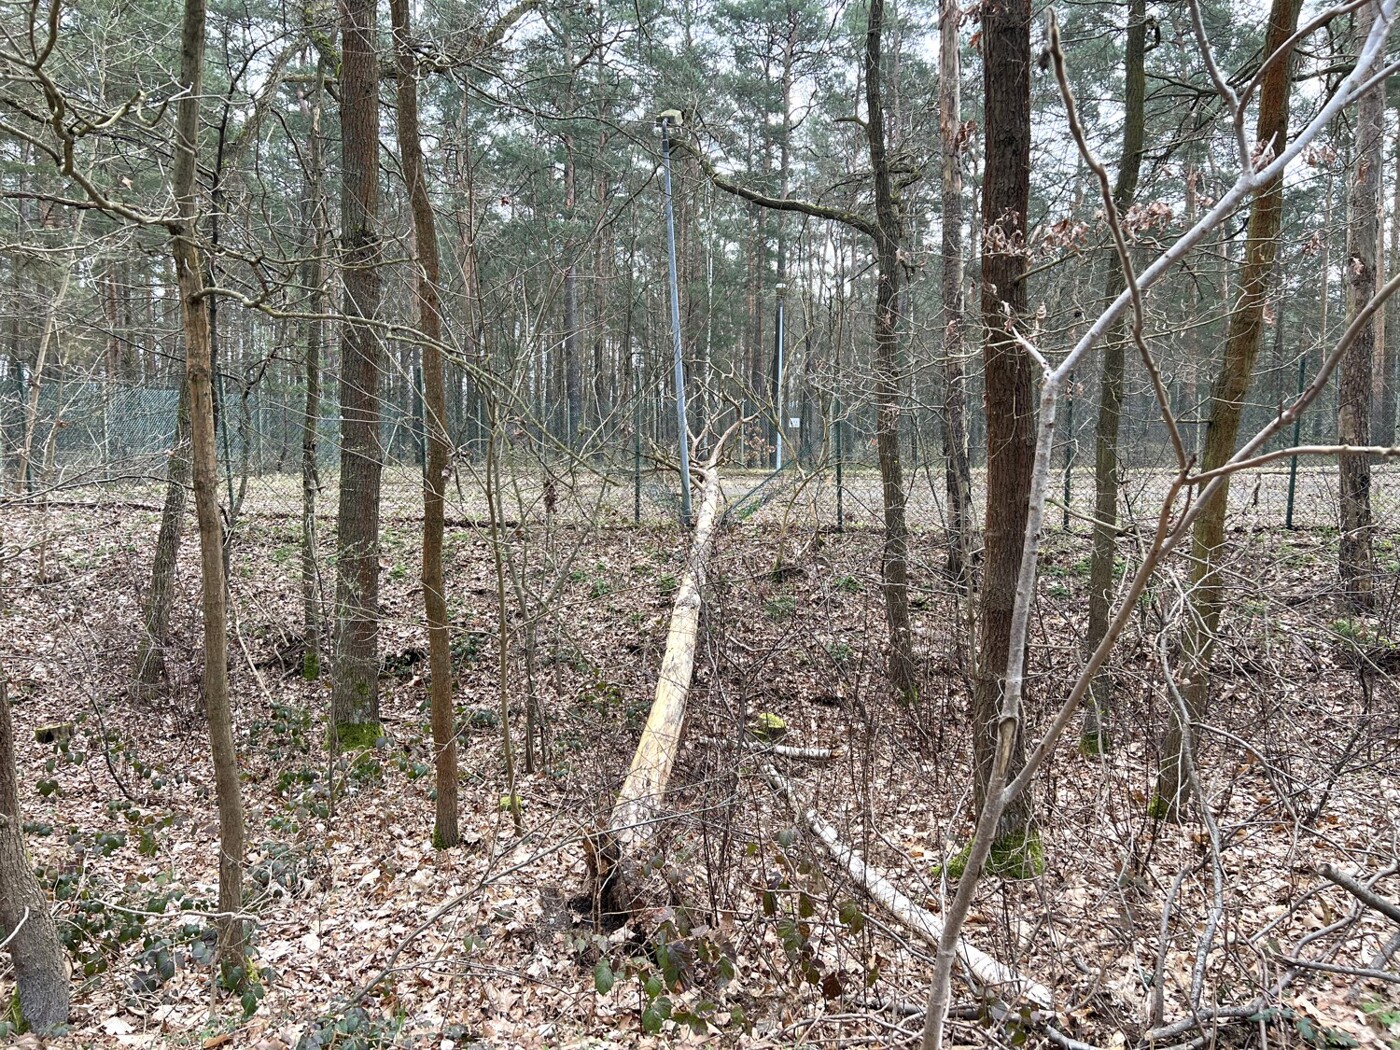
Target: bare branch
{"x":854,"y":220}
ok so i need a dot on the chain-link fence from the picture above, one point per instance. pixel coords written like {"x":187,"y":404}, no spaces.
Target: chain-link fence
{"x":102,"y":441}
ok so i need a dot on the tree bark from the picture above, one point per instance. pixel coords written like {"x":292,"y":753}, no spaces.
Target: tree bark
{"x":1356,"y":561}
{"x":1094,"y":737}
{"x":445,"y":831}
{"x":894,"y":559}
{"x":41,"y":971}
{"x":315,"y":219}
{"x":189,"y":275}
{"x":957,"y":469}
{"x":355,"y":676}
{"x":1242,"y":339}
{"x":1391,"y":387}
{"x":1007,"y":378}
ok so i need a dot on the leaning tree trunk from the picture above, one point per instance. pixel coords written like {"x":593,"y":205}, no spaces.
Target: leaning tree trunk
{"x":26,"y":924}
{"x":194,"y":308}
{"x":355,"y":675}
{"x":1242,"y":339}
{"x":895,"y":559}
{"x":1008,"y":381}
{"x":1355,"y":560}
{"x":612,"y":853}
{"x":957,"y":470}
{"x":445,"y":832}
{"x":1094,"y":737}
{"x":155,"y":617}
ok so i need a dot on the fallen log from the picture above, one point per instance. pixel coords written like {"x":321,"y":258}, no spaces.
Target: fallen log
{"x":761,"y":747}
{"x":987,"y":971}
{"x":611,"y":852}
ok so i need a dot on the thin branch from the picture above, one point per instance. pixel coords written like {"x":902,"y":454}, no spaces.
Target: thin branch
{"x":18,"y":926}
{"x":1371,"y":899}
{"x":1222,"y":87}
{"x":1120,"y":242}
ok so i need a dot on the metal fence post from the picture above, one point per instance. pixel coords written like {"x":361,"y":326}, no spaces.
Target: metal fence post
{"x":1297,"y":432}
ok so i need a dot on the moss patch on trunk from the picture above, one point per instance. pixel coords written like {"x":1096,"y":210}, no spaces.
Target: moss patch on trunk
{"x":1017,"y":856}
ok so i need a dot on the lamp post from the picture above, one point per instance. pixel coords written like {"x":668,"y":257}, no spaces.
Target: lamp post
{"x":667,"y":120}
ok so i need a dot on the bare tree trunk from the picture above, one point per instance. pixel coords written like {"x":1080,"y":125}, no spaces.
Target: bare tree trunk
{"x":47,"y":331}
{"x":957,"y":469}
{"x":1094,"y":737}
{"x":1380,"y":363}
{"x":445,"y":832}
{"x":573,"y":384}
{"x":355,"y":675}
{"x":1242,"y":341}
{"x":189,"y":276}
{"x":1392,"y":313}
{"x":316,"y":221}
{"x":26,"y":923}
{"x":1355,"y":559}
{"x":894,"y":561}
{"x":1008,"y":382}
{"x":155,"y":617}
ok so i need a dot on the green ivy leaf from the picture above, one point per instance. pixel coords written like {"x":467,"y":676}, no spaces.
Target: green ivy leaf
{"x":651,"y":1019}
{"x":603,"y":977}
{"x":851,"y":916}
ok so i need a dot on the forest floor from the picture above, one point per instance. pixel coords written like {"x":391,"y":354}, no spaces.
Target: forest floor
{"x":758,"y":939}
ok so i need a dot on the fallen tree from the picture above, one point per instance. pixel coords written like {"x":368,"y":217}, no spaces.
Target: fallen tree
{"x":611,"y":852}
{"x":996,"y":978}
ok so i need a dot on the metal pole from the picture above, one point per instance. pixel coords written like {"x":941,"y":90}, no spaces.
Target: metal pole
{"x":420,"y":420}
{"x":840,"y":488}
{"x":221,"y":421}
{"x":636,"y":438}
{"x":682,"y":434}
{"x":1297,"y":432}
{"x":1069,"y":453}
{"x":778,"y":384}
